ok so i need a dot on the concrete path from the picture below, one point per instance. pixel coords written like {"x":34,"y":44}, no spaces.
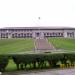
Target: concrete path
{"x":55,"y":72}
{"x":43,"y":44}
{"x":46,"y":72}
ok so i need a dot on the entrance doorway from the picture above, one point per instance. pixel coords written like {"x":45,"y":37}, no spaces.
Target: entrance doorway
{"x":38,"y":35}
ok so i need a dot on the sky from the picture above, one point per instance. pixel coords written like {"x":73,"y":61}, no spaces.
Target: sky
{"x":25,"y":13}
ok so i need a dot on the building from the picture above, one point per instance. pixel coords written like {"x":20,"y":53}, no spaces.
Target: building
{"x":37,"y":32}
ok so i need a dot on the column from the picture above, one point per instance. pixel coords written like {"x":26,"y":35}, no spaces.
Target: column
{"x":0,"y":35}
{"x":41,"y":35}
{"x":34,"y":34}
{"x":74,"y":34}
{"x":65,"y":34}
{"x":9,"y":35}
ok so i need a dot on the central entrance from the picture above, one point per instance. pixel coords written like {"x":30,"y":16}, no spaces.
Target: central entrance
{"x":39,"y":35}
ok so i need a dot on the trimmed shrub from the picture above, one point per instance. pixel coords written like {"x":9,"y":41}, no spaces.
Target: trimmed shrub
{"x":3,"y":62}
{"x":71,"y":57}
{"x":28,"y":61}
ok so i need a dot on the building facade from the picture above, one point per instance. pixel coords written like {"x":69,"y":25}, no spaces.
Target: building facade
{"x":37,"y":32}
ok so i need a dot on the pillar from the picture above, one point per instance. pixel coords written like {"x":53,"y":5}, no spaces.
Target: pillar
{"x":65,"y":34}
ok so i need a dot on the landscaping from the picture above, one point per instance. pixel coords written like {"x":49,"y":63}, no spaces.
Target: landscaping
{"x":17,"y":62}
{"x":16,"y":45}
{"x":63,"y":43}
{"x":14,"y":58}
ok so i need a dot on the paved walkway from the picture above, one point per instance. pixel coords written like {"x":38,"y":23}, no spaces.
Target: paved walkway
{"x":43,"y":44}
{"x":55,"y":72}
{"x":47,"y":72}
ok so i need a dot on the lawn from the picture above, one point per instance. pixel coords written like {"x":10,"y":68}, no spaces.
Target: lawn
{"x":15,"y":45}
{"x":23,"y":45}
{"x":11,"y":66}
{"x":63,"y":43}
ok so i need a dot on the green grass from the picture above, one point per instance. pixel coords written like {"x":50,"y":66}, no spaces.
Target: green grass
{"x":63,"y":43}
{"x":11,"y":66}
{"x":23,"y":45}
{"x":15,"y":45}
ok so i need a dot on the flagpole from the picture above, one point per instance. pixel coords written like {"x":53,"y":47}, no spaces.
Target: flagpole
{"x":39,"y":21}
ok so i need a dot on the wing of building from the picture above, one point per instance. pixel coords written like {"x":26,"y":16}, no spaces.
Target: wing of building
{"x":37,"y":32}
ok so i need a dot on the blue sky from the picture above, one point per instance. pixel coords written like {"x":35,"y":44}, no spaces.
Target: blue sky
{"x":25,"y":13}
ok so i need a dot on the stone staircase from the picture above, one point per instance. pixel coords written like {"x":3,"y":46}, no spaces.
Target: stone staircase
{"x":43,"y":44}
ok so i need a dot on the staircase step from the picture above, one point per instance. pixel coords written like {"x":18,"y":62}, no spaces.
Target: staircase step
{"x":43,"y":44}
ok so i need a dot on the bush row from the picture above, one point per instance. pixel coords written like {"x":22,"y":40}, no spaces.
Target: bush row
{"x":4,"y":59}
{"x":24,"y":61}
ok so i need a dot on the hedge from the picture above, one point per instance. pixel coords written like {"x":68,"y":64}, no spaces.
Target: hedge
{"x":24,"y":61}
{"x":41,"y":60}
{"x":3,"y":62}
